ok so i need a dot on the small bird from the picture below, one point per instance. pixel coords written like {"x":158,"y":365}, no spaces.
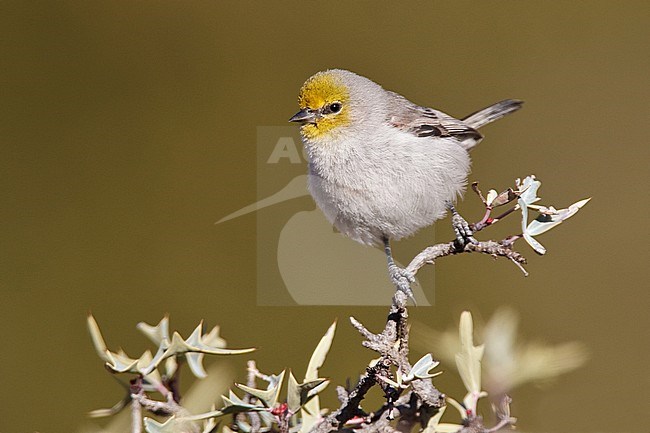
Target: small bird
{"x":382,"y":167}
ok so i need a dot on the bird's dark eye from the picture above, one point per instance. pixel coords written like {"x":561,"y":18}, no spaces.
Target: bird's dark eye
{"x":335,"y":107}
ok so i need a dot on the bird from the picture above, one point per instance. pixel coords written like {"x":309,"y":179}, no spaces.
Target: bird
{"x":381,"y":167}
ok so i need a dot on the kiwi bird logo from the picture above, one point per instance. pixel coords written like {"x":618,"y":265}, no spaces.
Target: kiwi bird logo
{"x":320,"y":266}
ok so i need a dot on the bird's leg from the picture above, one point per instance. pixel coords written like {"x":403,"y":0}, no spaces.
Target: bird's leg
{"x":464,"y":233}
{"x":401,"y":278}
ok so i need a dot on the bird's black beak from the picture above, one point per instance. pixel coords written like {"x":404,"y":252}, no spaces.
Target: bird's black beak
{"x":304,"y":116}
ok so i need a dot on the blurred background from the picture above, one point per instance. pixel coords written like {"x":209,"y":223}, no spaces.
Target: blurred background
{"x":129,"y":128}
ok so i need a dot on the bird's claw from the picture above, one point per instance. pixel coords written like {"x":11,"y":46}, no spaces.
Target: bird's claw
{"x":464,"y":233}
{"x":402,"y":279}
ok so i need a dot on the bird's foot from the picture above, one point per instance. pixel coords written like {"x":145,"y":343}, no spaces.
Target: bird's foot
{"x":402,"y":279}
{"x":464,"y":233}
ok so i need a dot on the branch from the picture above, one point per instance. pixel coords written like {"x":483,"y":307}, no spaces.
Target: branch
{"x":392,"y":345}
{"x":495,"y":249}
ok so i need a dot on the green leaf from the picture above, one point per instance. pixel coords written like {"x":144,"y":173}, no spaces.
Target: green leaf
{"x":117,"y":407}
{"x":539,"y":248}
{"x":504,"y":197}
{"x":193,"y":344}
{"x":551,"y":217}
{"x":96,"y":336}
{"x":171,"y":425}
{"x":158,"y":333}
{"x":468,"y":360}
{"x":310,"y":411}
{"x":318,"y":357}
{"x":268,"y":396}
{"x":293,"y":394}
{"x":434,"y":425}
{"x":300,"y":393}
{"x":229,"y":409}
{"x":422,"y":367}
{"x":527,"y":190}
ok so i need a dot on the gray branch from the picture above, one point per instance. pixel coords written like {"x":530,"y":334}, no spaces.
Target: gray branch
{"x":392,"y":344}
{"x":429,"y":255}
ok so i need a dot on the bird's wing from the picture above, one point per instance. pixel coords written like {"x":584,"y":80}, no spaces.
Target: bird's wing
{"x":427,"y":122}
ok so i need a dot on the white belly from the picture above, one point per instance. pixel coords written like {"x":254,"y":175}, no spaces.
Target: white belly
{"x":370,"y":190}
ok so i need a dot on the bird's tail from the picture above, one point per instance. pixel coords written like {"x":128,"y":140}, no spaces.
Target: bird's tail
{"x":492,"y":113}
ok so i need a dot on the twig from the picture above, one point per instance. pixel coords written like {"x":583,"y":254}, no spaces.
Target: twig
{"x":165,"y":408}
{"x":254,"y":417}
{"x":495,"y":249}
{"x":392,"y":345}
{"x":136,"y":416}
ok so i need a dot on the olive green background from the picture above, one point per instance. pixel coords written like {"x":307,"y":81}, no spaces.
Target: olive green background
{"x":129,"y":128}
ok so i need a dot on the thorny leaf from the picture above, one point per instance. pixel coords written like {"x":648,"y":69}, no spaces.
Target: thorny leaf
{"x":195,"y":360}
{"x":119,"y":361}
{"x":293,"y":394}
{"x":268,"y":396}
{"x":193,"y":344}
{"x":176,"y":424}
{"x":193,"y":348}
{"x":230,"y":407}
{"x":157,"y":334}
{"x":299,"y":393}
{"x":171,"y":425}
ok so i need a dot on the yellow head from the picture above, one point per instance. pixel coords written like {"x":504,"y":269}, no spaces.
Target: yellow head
{"x":324,"y":105}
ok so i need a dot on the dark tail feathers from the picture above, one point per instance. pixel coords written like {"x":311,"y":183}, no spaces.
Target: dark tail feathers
{"x":492,"y":113}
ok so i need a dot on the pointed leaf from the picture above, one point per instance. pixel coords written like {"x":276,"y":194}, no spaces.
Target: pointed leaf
{"x":171,"y":425}
{"x":96,"y":336}
{"x":539,"y":248}
{"x":117,"y":407}
{"x":268,"y":396}
{"x":423,"y":366}
{"x":318,"y":357}
{"x":461,"y":410}
{"x":504,"y":197}
{"x":234,"y":398}
{"x":491,"y":195}
{"x":468,"y":360}
{"x":121,"y":363}
{"x":434,"y":425}
{"x":527,"y":189}
{"x":310,"y":411}
{"x":156,"y":333}
{"x":448,"y":428}
{"x":535,"y":245}
{"x":293,"y":394}
{"x":195,"y":362}
{"x":242,"y":425}
{"x":213,"y":338}
{"x":545,"y":222}
{"x":193,"y":344}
